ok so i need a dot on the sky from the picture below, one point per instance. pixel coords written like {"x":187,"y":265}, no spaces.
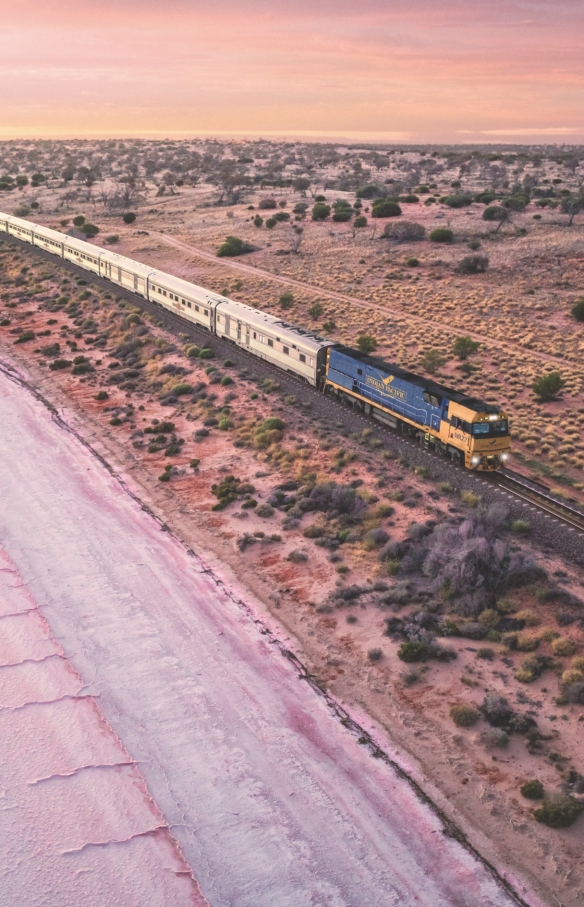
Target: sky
{"x":376,"y":70}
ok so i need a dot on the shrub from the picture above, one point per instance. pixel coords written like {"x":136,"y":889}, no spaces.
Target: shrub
{"x":102,"y":395}
{"x":385,"y":208}
{"x":265,"y":511}
{"x":432,"y":360}
{"x":59,"y":364}
{"x":79,"y":220}
{"x":374,"y":655}
{"x":486,"y":654}
{"x":320,"y":211}
{"x":271,"y":223}
{"x":369,"y":191}
{"x":465,"y":346}
{"x":548,"y":386}
{"x":313,"y":532}
{"x":470,"y":498}
{"x":286,"y":301}
{"x":271,"y":423}
{"x":25,"y":337}
{"x":297,"y":557}
{"x":559,"y":811}
{"x":90,"y":230}
{"x":563,"y":646}
{"x":413,"y":262}
{"x":225,"y":424}
{"x":404,"y":231}
{"x":520,"y":527}
{"x":533,"y":790}
{"x":532,"y":667}
{"x":115,"y":421}
{"x":179,"y":390}
{"x":258,"y":221}
{"x":412,"y":651}
{"x":129,"y":217}
{"x":113,"y":239}
{"x":578,"y":310}
{"x":206,"y":353}
{"x":442,"y":234}
{"x":366,"y":343}
{"x":329,"y":326}
{"x":232,"y":247}
{"x":572,"y":675}
{"x":342,"y":216}
{"x":473,"y":264}
{"x":464,"y":715}
{"x":461,"y":200}
{"x":494,"y":213}
{"x":225,"y":380}
{"x":494,"y":737}
{"x":361,"y":221}
{"x":375,"y":538}
{"x":267,"y":204}
{"x":316,"y":310}
{"x":496,"y":710}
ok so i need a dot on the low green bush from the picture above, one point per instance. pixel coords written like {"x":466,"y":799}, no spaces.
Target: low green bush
{"x":442,"y":235}
{"x":412,"y":651}
{"x":25,"y":337}
{"x":385,"y":208}
{"x":533,"y":790}
{"x":559,"y":811}
{"x":232,"y":247}
{"x":464,"y":715}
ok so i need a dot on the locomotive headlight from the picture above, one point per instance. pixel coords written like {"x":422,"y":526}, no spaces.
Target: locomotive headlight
{"x":504,"y":456}
{"x":475,"y":461}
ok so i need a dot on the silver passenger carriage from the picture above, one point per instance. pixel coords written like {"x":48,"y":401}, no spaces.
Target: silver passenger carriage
{"x":292,"y":349}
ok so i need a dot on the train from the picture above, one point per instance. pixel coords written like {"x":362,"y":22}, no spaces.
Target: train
{"x":467,"y":430}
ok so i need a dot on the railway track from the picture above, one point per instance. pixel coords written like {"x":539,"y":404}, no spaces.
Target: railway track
{"x":507,"y":484}
{"x":519,"y":487}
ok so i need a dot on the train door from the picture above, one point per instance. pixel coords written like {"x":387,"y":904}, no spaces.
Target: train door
{"x":247,"y":335}
{"x":228,"y":325}
{"x":239,"y":331}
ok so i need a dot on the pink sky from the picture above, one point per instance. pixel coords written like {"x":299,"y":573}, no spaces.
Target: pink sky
{"x":402,"y":70}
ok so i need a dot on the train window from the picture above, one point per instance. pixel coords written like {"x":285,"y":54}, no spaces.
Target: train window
{"x":270,"y":342}
{"x":196,"y":308}
{"x":432,"y":399}
{"x":286,"y":350}
{"x":254,"y":335}
{"x":359,"y":371}
{"x":164,"y":291}
{"x":480,"y":428}
{"x":302,"y":357}
{"x":189,"y":305}
{"x":312,"y":361}
{"x":205,"y":312}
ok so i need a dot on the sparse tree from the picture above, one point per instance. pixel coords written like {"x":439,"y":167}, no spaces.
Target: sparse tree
{"x":463,"y":347}
{"x":432,"y":360}
{"x":572,"y":205}
{"x":366,"y":343}
{"x":548,"y":386}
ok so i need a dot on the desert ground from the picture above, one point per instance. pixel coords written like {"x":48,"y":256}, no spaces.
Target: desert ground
{"x":405,"y":601}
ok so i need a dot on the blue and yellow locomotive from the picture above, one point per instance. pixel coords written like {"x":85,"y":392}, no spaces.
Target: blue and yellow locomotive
{"x":468,"y":431}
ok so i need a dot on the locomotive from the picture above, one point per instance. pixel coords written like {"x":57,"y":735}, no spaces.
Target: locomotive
{"x":471,"y":432}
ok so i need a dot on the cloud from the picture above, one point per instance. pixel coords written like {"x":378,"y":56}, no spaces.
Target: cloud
{"x":425,"y":69}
